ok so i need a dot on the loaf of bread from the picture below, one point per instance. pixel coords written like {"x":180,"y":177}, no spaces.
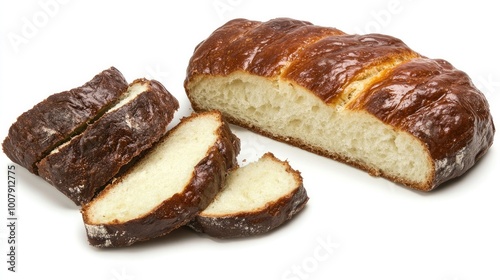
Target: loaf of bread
{"x":255,"y":199}
{"x":82,"y":166}
{"x":62,"y":115}
{"x":167,"y":187}
{"x":366,"y":100}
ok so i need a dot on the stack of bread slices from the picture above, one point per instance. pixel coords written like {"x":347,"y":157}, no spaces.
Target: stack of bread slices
{"x":106,"y":146}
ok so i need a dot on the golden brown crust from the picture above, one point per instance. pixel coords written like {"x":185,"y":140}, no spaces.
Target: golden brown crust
{"x":260,"y":221}
{"x":109,"y":144}
{"x":439,"y":105}
{"x":447,"y":114}
{"x":246,"y":45}
{"x":207,"y":179}
{"x":52,"y":121}
{"x":326,"y":66}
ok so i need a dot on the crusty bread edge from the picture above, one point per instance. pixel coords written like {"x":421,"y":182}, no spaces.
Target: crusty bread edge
{"x":208,"y":177}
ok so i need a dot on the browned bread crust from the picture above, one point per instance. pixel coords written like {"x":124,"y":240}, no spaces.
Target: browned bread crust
{"x":258,"y":221}
{"x":439,"y":105}
{"x":428,"y":99}
{"x":55,"y":119}
{"x":83,"y":166}
{"x":205,"y":182}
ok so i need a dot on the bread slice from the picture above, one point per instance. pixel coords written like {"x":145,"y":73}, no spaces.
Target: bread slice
{"x":366,"y":100}
{"x":82,"y":166}
{"x":170,"y":185}
{"x":256,"y":198}
{"x":62,"y":115}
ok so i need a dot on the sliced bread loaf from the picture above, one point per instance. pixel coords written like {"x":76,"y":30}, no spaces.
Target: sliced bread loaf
{"x":366,"y":100}
{"x":62,"y":115}
{"x":167,"y":187}
{"x":256,"y":198}
{"x":82,"y":166}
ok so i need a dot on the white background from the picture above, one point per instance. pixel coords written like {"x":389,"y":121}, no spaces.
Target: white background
{"x":354,"y":227}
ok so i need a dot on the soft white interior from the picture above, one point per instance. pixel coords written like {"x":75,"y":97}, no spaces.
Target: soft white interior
{"x":287,"y":110}
{"x":158,"y":176}
{"x":251,"y":187}
{"x":133,"y":91}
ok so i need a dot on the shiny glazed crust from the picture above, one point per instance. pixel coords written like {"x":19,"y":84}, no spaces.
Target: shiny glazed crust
{"x":427,"y":98}
{"x":206,"y":181}
{"x":52,"y":121}
{"x":440,"y":106}
{"x":109,"y":144}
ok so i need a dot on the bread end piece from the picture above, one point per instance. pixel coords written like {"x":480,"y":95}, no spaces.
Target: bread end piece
{"x":82,"y":166}
{"x":60,"y":116}
{"x":256,"y":199}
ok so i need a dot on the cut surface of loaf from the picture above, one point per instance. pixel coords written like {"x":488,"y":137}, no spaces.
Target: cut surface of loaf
{"x":255,"y":199}
{"x":167,"y":187}
{"x":82,"y":166}
{"x":60,"y":116}
{"x":366,"y":100}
